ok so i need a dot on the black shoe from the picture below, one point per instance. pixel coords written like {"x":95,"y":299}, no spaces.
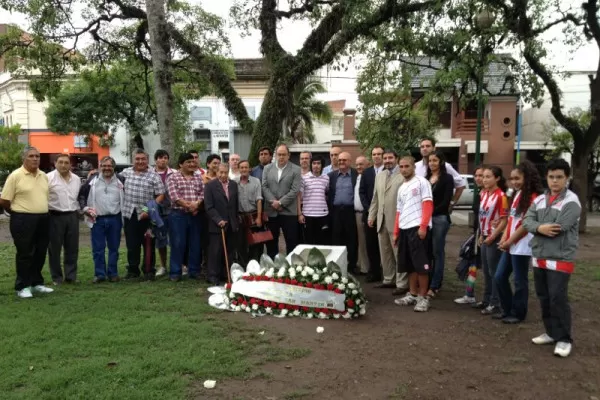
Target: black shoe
{"x":511,"y":320}
{"x":371,"y":279}
{"x":491,"y":310}
{"x":131,"y":275}
{"x":98,"y":280}
{"x":385,"y":286}
{"x":479,"y":305}
{"x":399,"y":292}
{"x":499,"y":316}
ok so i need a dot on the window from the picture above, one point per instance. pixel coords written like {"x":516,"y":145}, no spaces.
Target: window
{"x":79,"y":142}
{"x":201,"y":114}
{"x":202,"y":134}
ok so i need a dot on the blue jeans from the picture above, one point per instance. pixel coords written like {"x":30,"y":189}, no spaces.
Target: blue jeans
{"x":515,"y":304}
{"x":441,"y":225}
{"x":184,"y":229}
{"x":106,"y":232}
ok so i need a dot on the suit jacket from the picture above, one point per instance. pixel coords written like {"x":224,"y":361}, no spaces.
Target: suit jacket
{"x":333,"y":176}
{"x":365,"y":191}
{"x":218,"y":207}
{"x":385,"y":198}
{"x":285,"y":189}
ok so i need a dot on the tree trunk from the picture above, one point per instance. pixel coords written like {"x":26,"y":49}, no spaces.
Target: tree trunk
{"x":163,"y":76}
{"x":579,"y":163}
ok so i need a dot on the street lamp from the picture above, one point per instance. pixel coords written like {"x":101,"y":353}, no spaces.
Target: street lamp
{"x":483,"y":21}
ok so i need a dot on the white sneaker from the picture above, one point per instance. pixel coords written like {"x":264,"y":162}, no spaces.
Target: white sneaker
{"x":407,"y":300}
{"x":184,"y":271}
{"x":161,"y":271}
{"x":25,"y":293}
{"x":42,"y":289}
{"x":562,"y":349}
{"x":544,"y":338}
{"x":465,"y":300}
{"x":422,"y":304}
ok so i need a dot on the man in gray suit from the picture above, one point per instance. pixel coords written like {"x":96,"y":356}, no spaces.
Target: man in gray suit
{"x":280,"y":184}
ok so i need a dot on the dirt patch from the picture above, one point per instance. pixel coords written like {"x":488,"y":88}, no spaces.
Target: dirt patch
{"x":452,"y":352}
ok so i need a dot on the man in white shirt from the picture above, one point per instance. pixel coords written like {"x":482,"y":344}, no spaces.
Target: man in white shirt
{"x":63,"y":207}
{"x":363,"y":259}
{"x":334,"y":154}
{"x":234,"y":169}
{"x":427,"y":146}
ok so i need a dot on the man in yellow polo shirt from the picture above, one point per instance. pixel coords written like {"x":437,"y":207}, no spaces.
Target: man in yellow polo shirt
{"x":25,"y":194}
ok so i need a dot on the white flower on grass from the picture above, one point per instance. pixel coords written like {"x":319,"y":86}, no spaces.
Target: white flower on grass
{"x":248,"y":309}
{"x":335,"y":276}
{"x":347,"y":315}
{"x":299,"y":268}
{"x":269,"y":310}
{"x":344,"y":280}
{"x":316,"y":277}
{"x":362,"y":311}
{"x":281,"y":272}
{"x":238,"y":308}
{"x":322,"y":315}
{"x":296,"y":313}
{"x":284,"y":312}
{"x":351,"y":285}
{"x":328,"y":280}
{"x":355,"y":292}
{"x":304,"y":274}
{"x":255,"y":307}
{"x":341,"y":286}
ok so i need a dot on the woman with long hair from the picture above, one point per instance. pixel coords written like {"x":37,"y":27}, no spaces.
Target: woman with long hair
{"x":493,"y":213}
{"x":442,"y":185}
{"x":527,"y":184}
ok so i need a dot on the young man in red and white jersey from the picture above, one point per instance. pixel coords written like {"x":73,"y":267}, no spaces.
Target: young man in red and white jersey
{"x":412,"y":234}
{"x":553,"y":219}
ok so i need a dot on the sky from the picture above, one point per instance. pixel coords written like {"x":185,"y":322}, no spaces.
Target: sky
{"x":341,"y":84}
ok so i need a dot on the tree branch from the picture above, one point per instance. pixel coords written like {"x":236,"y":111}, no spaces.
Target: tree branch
{"x":308,"y":6}
{"x":269,"y":43}
{"x":591,"y":17}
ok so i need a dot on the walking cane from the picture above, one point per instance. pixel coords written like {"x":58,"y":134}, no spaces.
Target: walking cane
{"x":226,"y":257}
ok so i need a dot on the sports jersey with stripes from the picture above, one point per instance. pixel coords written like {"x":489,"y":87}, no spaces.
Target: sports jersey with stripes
{"x":314,"y":195}
{"x":492,"y":207}
{"x":411,"y":195}
{"x":515,"y":221}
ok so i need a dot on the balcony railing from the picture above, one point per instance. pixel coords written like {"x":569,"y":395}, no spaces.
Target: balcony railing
{"x":469,"y":125}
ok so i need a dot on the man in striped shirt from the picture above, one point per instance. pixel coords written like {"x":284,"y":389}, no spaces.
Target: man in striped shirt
{"x":412,"y":234}
{"x":313,"y":211}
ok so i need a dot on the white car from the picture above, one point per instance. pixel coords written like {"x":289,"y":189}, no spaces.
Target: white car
{"x":466,"y":198}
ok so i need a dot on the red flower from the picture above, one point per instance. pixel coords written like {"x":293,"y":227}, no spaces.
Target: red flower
{"x":350,"y":303}
{"x":228,"y":286}
{"x":305,"y":309}
{"x":273,"y":304}
{"x":290,"y":307}
{"x":281,"y":306}
{"x":240,"y":299}
{"x":296,"y":308}
{"x":252,"y":300}
{"x":309,"y":284}
{"x":245,"y":302}
{"x":338,"y":291}
{"x":288,"y":280}
{"x":234,"y":303}
{"x":259,"y":302}
{"x":294,"y":282}
{"x":330,"y":286}
{"x":280,"y":280}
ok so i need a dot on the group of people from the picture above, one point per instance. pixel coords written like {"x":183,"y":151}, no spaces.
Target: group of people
{"x":393,"y":217}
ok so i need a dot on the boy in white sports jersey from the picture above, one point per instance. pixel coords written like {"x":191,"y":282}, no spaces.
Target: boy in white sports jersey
{"x":412,"y":234}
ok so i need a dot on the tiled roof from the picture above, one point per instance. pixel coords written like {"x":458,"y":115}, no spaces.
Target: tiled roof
{"x":495,"y":82}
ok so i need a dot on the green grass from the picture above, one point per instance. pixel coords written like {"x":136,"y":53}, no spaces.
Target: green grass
{"x":129,"y":340}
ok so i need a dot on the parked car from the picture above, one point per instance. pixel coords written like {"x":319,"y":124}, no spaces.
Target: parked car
{"x":466,"y":198}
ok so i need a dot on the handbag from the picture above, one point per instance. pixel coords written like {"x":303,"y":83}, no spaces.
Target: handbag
{"x":255,"y":234}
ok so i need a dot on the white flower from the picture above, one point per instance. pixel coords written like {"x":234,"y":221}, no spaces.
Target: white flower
{"x":284,"y":311}
{"x":341,"y":286}
{"x":248,"y":309}
{"x":238,"y":308}
{"x":320,"y":329}
{"x":362,"y":311}
{"x":316,"y":277}
{"x":291,"y":271}
{"x":231,"y":295}
{"x":243,"y":307}
{"x":322,"y":315}
{"x":255,"y":307}
{"x":299,"y":268}
{"x":358,"y":301}
{"x":269,"y":310}
{"x":270,"y":272}
{"x":309,"y":315}
{"x":351,"y":285}
{"x":328,"y":280}
{"x":336,"y":316}
{"x":296,"y":313}
{"x":281,"y":272}
{"x":347,"y":315}
{"x":355,"y":292}
{"x":344,"y":280}
{"x":351,"y":310}
{"x":304,"y":274}
{"x":292,"y":274}
{"x":309,"y":270}
{"x":210,"y":384}
{"x":335,"y":276}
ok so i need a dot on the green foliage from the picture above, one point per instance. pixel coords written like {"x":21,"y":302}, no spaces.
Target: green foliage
{"x":305,"y":108}
{"x":10,"y":151}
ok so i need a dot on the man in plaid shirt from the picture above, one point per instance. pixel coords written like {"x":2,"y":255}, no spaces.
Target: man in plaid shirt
{"x":186,"y":192}
{"x":142,"y":185}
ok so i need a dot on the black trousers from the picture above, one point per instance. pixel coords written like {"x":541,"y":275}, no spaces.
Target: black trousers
{"x":313,"y":230}
{"x":64,"y":235}
{"x":343,"y":221}
{"x":30,"y":234}
{"x":372,"y":239}
{"x":216,"y":271}
{"x":289,"y":225}
{"x":135,"y":231}
{"x":552,"y":288}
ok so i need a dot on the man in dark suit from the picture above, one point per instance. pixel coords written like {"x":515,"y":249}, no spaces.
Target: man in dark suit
{"x":221,"y":204}
{"x":367,"y":186}
{"x":341,"y":205}
{"x":280,"y":184}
